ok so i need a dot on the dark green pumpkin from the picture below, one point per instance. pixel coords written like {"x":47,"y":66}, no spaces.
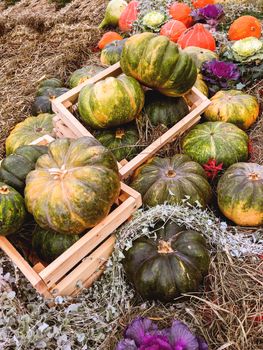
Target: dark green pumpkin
{"x":175,"y":263}
{"x":83,"y":74}
{"x":121,"y":141}
{"x":165,"y":110}
{"x":112,"y":52}
{"x":52,"y":83}
{"x":49,"y":244}
{"x":42,"y":103}
{"x":223,"y":142}
{"x":172,"y":180}
{"x":12,"y":210}
{"x":15,"y":167}
{"x":158,"y":63}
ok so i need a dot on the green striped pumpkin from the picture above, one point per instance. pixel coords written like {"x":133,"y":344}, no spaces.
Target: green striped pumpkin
{"x":12,"y":210}
{"x":111,"y":102}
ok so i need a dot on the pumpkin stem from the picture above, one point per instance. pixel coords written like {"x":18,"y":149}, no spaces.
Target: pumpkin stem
{"x":58,"y":173}
{"x":254,"y":176}
{"x":4,"y":190}
{"x":165,"y":247}
{"x":119,"y":133}
{"x":171,"y":173}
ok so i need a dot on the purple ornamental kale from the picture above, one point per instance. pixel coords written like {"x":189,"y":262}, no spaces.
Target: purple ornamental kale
{"x":210,"y":14}
{"x":155,"y":342}
{"x":139,"y":328}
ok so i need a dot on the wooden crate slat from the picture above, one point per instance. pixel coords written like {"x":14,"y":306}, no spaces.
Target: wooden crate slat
{"x":92,"y":264}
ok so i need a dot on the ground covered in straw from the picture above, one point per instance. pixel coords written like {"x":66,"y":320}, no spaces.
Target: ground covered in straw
{"x":38,"y":40}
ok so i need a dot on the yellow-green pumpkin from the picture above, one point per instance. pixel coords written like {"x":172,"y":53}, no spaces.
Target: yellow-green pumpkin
{"x":73,"y":186}
{"x":233,"y":106}
{"x":240,"y":194}
{"x":111,"y":102}
{"x":158,"y":63}
{"x":200,"y":55}
{"x":201,"y":85}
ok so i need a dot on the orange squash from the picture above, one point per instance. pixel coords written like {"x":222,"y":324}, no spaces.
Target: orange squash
{"x":244,"y":27}
{"x":128,"y":16}
{"x":202,"y":3}
{"x":108,"y":38}
{"x":173,"y":29}
{"x":181,"y":12}
{"x":197,"y":36}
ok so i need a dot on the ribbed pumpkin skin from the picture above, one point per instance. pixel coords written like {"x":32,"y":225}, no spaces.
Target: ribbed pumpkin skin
{"x":83,"y":74}
{"x":49,"y":244}
{"x":121,"y":141}
{"x":164,"y":110}
{"x":29,"y":130}
{"x":111,"y":102}
{"x":173,"y":29}
{"x":15,"y":167}
{"x":200,"y":55}
{"x":181,"y":12}
{"x":73,"y":187}
{"x":201,"y":85}
{"x":128,"y":16}
{"x":111,"y":54}
{"x":224,"y":142}
{"x":233,"y":106}
{"x":197,"y":36}
{"x":156,"y":62}
{"x":163,"y":274}
{"x":170,"y":180}
{"x":12,"y":210}
{"x":240,"y":194}
{"x":245,"y":27}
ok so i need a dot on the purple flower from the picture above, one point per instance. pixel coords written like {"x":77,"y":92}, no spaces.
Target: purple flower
{"x":181,"y":338}
{"x":212,"y":11}
{"x":155,"y":342}
{"x":126,"y":344}
{"x":139,"y":328}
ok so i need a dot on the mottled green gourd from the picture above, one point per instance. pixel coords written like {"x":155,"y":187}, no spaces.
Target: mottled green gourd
{"x":173,"y":263}
{"x":158,"y":63}
{"x":165,"y":110}
{"x":73,"y":187}
{"x":15,"y":167}
{"x":111,"y":53}
{"x":223,"y":142}
{"x":111,"y":102}
{"x":83,"y":74}
{"x":172,"y":180}
{"x":49,"y":244}
{"x":240,"y":194}
{"x":121,"y":141}
{"x":43,"y":101}
{"x":12,"y":210}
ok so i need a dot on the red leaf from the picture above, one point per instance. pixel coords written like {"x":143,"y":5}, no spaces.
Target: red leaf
{"x":212,"y":169}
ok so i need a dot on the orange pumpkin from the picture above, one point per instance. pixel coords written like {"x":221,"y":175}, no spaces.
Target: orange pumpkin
{"x":202,"y":3}
{"x":108,"y":38}
{"x":173,"y":29}
{"x":244,"y":27}
{"x":197,"y":36}
{"x":128,"y":16}
{"x":181,"y":12}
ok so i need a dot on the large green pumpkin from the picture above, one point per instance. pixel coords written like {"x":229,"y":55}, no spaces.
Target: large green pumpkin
{"x":233,"y":106}
{"x":172,"y":180}
{"x":164,"y":110}
{"x":240,"y":194}
{"x":158,"y":63}
{"x":111,"y":102}
{"x":121,"y":141}
{"x":29,"y":130}
{"x":83,"y":74}
{"x":173,"y":263}
{"x":12,"y":210}
{"x":15,"y":167}
{"x":49,"y":244}
{"x":111,"y":53}
{"x":200,"y":55}
{"x":223,"y":142}
{"x":73,"y":186}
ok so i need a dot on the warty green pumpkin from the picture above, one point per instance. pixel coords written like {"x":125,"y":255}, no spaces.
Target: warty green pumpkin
{"x":173,"y":263}
{"x":73,"y":186}
{"x":15,"y":167}
{"x":240,"y":194}
{"x":172,"y":180}
{"x":158,"y":63}
{"x":12,"y":210}
{"x":111,"y":102}
{"x":220,"y":141}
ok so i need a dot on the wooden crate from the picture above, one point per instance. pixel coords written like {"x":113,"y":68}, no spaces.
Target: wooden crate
{"x":84,"y":261}
{"x":66,"y":125}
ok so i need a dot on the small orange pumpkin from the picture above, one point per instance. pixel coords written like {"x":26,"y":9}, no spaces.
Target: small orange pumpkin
{"x":202,"y":3}
{"x":173,"y":29}
{"x":197,"y":36}
{"x":181,"y":12}
{"x":108,"y":38}
{"x":128,"y":16}
{"x":244,"y":27}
